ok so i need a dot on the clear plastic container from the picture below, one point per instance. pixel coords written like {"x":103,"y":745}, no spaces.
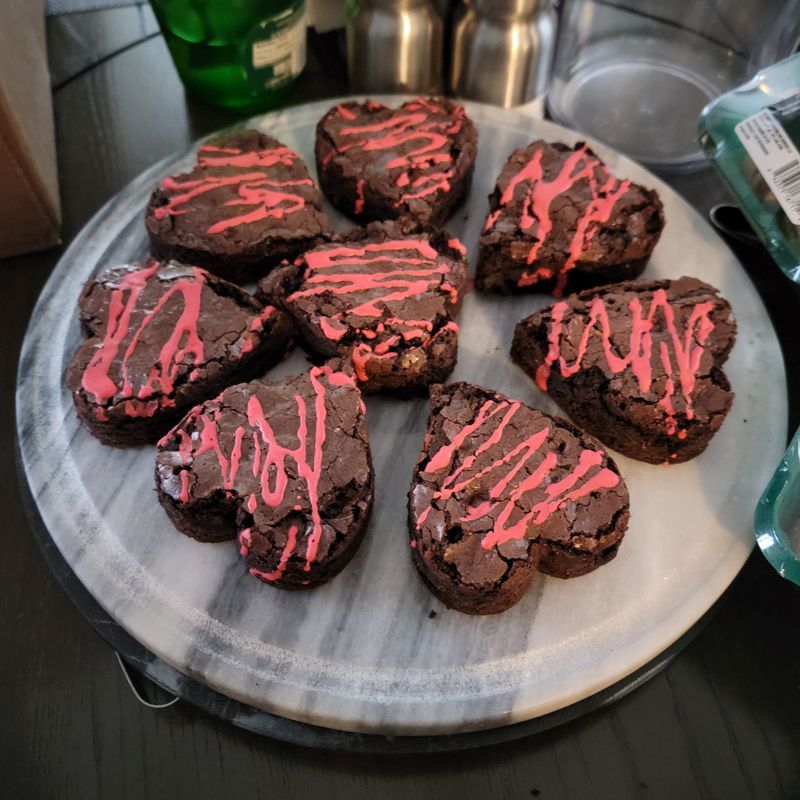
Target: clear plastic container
{"x":636,"y":73}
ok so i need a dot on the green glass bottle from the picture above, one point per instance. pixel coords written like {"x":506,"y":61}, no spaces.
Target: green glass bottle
{"x":242,"y":54}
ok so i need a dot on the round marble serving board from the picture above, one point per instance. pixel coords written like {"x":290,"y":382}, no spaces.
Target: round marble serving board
{"x":364,"y":653}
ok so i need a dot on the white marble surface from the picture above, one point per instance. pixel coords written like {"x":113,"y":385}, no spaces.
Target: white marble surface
{"x":362,"y":653}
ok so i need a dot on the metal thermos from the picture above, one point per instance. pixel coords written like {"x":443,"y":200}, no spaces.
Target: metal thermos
{"x":394,"y":46}
{"x":502,"y":50}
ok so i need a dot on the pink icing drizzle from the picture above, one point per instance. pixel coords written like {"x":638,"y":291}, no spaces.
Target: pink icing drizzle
{"x":184,"y":342}
{"x":256,"y":326}
{"x":245,"y":542}
{"x":537,"y":200}
{"x":335,"y":271}
{"x":288,"y":549}
{"x":254,"y":187}
{"x":587,"y":477}
{"x":687,"y":349}
{"x":345,"y":113}
{"x":455,"y":244}
{"x":428,"y":167}
{"x":269,"y":460}
{"x":359,"y":204}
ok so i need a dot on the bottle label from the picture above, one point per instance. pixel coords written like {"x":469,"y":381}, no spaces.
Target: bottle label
{"x":277,"y":48}
{"x":776,"y":157}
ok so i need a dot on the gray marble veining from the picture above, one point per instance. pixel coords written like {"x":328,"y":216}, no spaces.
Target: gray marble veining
{"x":362,"y":653}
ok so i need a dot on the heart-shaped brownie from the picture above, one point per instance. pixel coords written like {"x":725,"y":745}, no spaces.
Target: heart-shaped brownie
{"x":385,"y":297}
{"x":162,"y":338}
{"x":247,"y":204}
{"x":501,"y":489}
{"x":376,"y":162}
{"x":558,"y":220}
{"x":637,"y":364}
{"x":285,"y":466}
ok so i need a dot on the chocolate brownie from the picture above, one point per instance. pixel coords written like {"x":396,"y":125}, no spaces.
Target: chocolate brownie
{"x":161,"y":338}
{"x":285,"y":466}
{"x":385,"y":297}
{"x":638,"y":364}
{"x":376,"y":162}
{"x":501,"y":490}
{"x":559,"y":221}
{"x":247,"y":204}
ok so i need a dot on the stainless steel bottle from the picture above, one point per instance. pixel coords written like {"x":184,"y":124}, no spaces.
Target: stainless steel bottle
{"x":502,"y":50}
{"x":394,"y":46}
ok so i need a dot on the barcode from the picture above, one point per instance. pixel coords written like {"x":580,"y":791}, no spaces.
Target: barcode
{"x":776,"y":157}
{"x":787,"y":179}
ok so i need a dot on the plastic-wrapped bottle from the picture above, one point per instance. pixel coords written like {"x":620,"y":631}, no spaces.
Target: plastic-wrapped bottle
{"x":243,"y":54}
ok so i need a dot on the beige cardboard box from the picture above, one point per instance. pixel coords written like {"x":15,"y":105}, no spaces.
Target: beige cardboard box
{"x":29,"y":207}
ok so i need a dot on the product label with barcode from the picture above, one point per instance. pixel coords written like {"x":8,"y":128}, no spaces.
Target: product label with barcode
{"x":775,"y":157}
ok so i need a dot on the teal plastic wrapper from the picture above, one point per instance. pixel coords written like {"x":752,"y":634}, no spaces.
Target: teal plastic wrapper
{"x":752,"y":135}
{"x":777,"y":516}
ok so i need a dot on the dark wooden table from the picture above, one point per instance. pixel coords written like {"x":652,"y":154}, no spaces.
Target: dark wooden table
{"x":722,"y":721}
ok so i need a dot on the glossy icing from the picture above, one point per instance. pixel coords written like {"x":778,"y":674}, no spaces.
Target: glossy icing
{"x":109,"y":376}
{"x":378,"y":276}
{"x":417,"y":139}
{"x":266,"y":197}
{"x":184,"y":342}
{"x":537,"y":195}
{"x":505,"y":491}
{"x":288,"y":474}
{"x":679,"y":355}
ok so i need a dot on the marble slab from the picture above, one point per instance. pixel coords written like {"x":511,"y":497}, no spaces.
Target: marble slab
{"x":363,"y":653}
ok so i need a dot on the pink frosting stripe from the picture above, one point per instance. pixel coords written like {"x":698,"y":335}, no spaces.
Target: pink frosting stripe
{"x":335,"y":270}
{"x":455,"y":244}
{"x":183,"y":343}
{"x":333,"y":256}
{"x":359,"y":204}
{"x":687,"y":349}
{"x":269,"y":460}
{"x":537,"y":198}
{"x":288,"y":549}
{"x":210,"y":156}
{"x":256,"y":326}
{"x":96,"y":379}
{"x":587,"y":477}
{"x":254,"y":188}
{"x":172,"y":354}
{"x":443,"y":456}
